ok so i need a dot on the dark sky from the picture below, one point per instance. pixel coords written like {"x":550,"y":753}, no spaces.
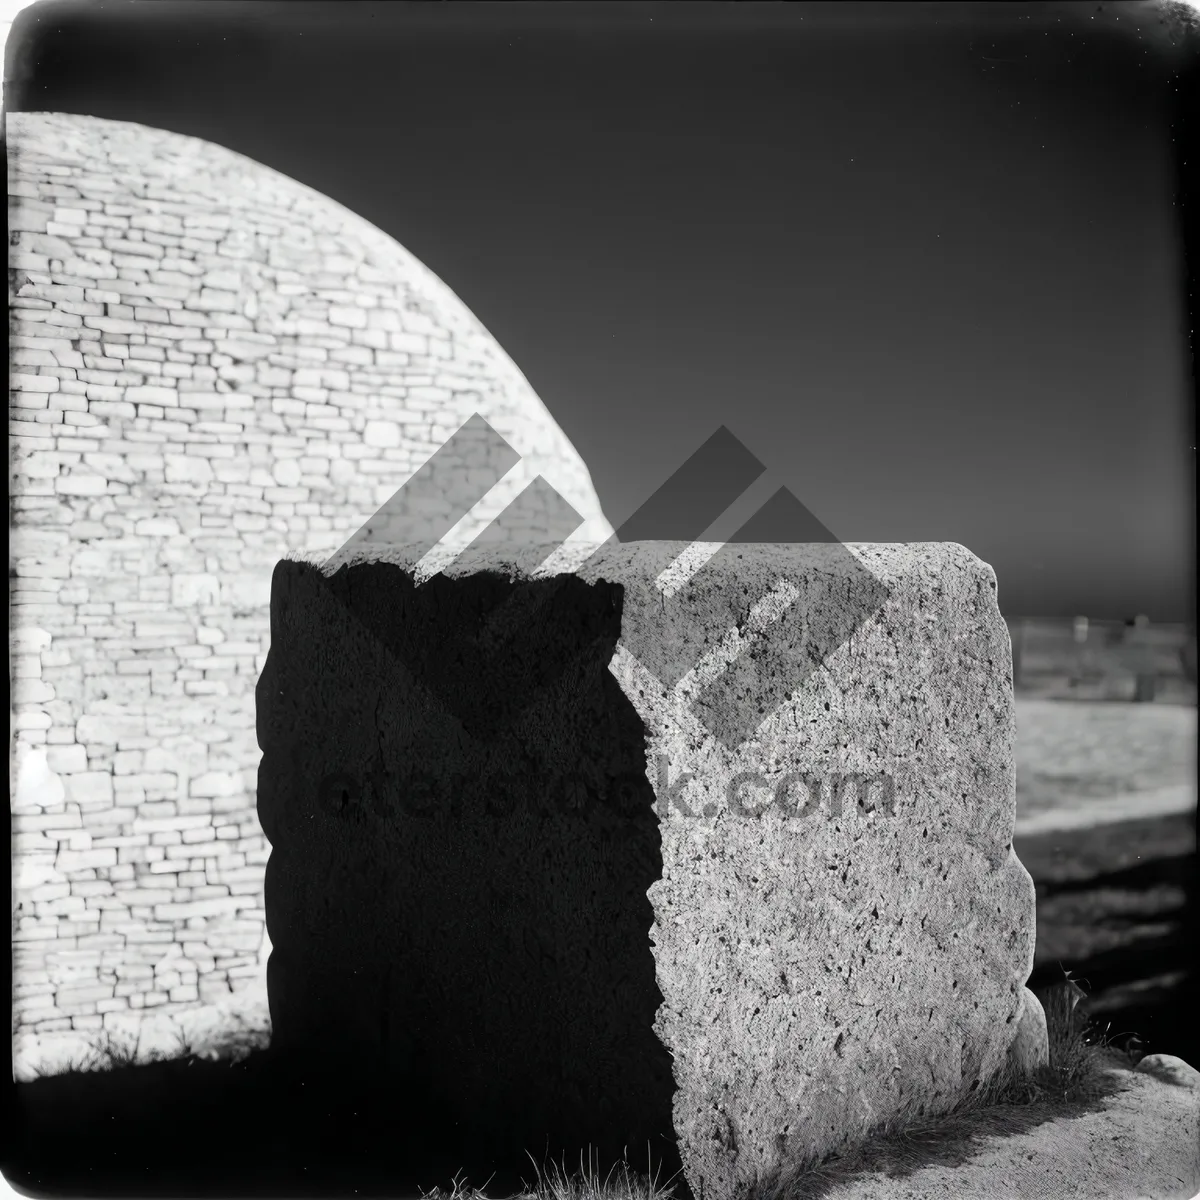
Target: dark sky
{"x":925,"y":261}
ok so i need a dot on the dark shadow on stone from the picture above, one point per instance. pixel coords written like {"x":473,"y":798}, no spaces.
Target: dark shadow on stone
{"x":456,"y":894}
{"x":441,"y":632}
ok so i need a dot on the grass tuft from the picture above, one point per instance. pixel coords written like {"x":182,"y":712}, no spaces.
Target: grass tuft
{"x":585,"y":1184}
{"x":458,"y":1191}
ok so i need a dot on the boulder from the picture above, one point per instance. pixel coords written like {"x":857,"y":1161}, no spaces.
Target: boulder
{"x":1170,"y":1069}
{"x":614,"y":853}
{"x":1030,"y":1049}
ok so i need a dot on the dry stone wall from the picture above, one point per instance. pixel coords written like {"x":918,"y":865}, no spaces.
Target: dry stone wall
{"x":212,"y":367}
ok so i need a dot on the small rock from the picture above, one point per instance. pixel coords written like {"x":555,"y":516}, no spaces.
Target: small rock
{"x":1030,"y":1047}
{"x":1170,"y":1069}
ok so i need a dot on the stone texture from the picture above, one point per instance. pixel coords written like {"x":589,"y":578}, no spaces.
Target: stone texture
{"x":478,"y":833}
{"x":1030,"y":1049}
{"x":213,"y":366}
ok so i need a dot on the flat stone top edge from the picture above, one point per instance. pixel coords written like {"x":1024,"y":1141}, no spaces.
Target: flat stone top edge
{"x":594,"y":561}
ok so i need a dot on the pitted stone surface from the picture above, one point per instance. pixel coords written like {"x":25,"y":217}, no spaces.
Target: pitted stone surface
{"x":824,"y":964}
{"x":212,"y":366}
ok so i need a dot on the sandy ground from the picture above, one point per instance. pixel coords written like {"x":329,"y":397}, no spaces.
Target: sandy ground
{"x":1145,"y":1143}
{"x":1086,"y":763}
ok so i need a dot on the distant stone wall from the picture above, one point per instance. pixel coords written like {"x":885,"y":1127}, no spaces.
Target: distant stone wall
{"x":212,"y":367}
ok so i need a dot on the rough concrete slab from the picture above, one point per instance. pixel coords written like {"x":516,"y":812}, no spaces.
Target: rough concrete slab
{"x":815,"y":955}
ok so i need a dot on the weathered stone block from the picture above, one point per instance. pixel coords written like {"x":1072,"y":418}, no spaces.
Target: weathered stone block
{"x":819,"y":915}
{"x":188,"y":590}
{"x":351,"y":317}
{"x":67,"y":760}
{"x":109,"y":728}
{"x":81,"y":485}
{"x":381,"y":434}
{"x":78,"y":860}
{"x":90,"y":789}
{"x":33,"y":383}
{"x":153,"y":394}
{"x":217,"y":783}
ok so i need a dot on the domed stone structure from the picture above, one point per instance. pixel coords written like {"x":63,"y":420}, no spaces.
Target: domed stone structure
{"x":213,"y":367}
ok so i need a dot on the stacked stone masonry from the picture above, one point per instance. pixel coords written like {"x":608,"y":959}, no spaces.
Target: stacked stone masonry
{"x":212,"y":367}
